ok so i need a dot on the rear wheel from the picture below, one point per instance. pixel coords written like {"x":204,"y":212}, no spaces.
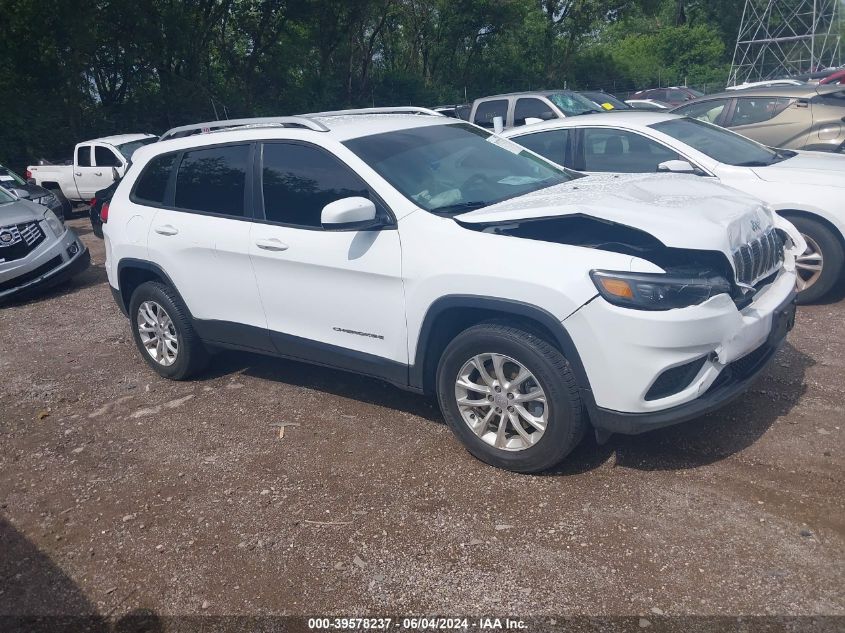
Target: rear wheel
{"x":163,"y":332}
{"x":510,"y":397}
{"x":820,"y":266}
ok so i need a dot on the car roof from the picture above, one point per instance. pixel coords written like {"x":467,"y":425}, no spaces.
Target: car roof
{"x":539,"y":93}
{"x":802,"y":91}
{"x":339,"y":125}
{"x":636,"y":118}
{"x":120,"y":139}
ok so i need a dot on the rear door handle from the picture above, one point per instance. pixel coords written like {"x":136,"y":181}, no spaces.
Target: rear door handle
{"x":271,"y":245}
{"x":166,"y":229}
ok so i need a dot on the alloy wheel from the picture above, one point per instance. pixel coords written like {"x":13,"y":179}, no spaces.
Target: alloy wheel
{"x":158,"y":334}
{"x":501,"y":401}
{"x":809,"y":264}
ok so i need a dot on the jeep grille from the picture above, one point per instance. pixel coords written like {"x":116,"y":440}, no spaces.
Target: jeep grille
{"x":758,"y":259}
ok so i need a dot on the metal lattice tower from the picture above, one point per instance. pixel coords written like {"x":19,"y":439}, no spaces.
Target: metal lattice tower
{"x":786,"y":37}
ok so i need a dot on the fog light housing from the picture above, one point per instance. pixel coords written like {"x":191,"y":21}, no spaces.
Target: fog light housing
{"x":73,"y":249}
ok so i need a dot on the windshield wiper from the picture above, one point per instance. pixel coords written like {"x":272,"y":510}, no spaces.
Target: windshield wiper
{"x":459,"y":207}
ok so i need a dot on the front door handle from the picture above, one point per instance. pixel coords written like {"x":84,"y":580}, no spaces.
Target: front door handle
{"x":166,"y":229}
{"x":77,"y":173}
{"x":271,"y":245}
{"x":98,"y":173}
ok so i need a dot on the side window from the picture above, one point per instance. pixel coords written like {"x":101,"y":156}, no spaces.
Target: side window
{"x":553,"y":144}
{"x":299,"y":180}
{"x":708,"y":111}
{"x":152,"y":183}
{"x":752,"y":110}
{"x":622,"y":151}
{"x":531,"y":108}
{"x":213,"y":180}
{"x":104,"y":157}
{"x":83,"y":156}
{"x":487,"y":110}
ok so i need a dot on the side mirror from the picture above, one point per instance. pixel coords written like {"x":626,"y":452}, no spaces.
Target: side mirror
{"x":531,"y":120}
{"x":676,"y":167}
{"x":349,"y":214}
{"x":548,"y":115}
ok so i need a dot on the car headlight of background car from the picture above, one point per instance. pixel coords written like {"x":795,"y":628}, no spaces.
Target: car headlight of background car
{"x":48,"y":200}
{"x":656,"y":291}
{"x":54,"y":223}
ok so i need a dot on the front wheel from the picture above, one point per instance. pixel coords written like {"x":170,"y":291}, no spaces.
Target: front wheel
{"x":820,"y":266}
{"x":510,"y":397}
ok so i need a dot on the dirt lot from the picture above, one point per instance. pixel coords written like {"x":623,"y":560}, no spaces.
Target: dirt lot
{"x":120,"y":490}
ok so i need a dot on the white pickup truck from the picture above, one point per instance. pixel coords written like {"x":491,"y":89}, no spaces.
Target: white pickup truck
{"x":91,"y":169}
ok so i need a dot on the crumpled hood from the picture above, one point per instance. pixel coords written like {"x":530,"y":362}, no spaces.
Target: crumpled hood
{"x":20,"y":211}
{"x":807,"y":168}
{"x":681,"y":211}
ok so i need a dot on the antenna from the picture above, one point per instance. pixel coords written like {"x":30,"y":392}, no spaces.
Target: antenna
{"x":786,"y":37}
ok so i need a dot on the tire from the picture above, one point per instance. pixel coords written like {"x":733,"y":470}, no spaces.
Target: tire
{"x":549,"y":371}
{"x":67,"y":207}
{"x":96,"y":224}
{"x":819,"y":237}
{"x":191,"y":356}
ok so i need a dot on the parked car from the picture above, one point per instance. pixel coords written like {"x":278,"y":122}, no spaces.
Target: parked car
{"x":807,"y":188}
{"x":795,"y":117}
{"x":834,"y":79}
{"x":604,"y":100}
{"x":642,"y":300}
{"x":647,"y":104}
{"x":817,"y":76}
{"x":675,"y":95}
{"x":10,"y":181}
{"x":36,"y":249}
{"x":515,"y":107}
{"x":771,"y":83}
{"x":93,"y":162}
{"x":98,"y":207}
{"x":460,"y":111}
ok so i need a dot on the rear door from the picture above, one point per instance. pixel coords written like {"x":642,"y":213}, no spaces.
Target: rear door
{"x":200,"y":238}
{"x":87,"y":177}
{"x":773,"y":121}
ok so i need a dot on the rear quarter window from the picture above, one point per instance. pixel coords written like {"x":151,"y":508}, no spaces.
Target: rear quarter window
{"x":151,"y":185}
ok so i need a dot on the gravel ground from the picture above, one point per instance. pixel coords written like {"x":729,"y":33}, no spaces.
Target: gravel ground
{"x":121,"y":491}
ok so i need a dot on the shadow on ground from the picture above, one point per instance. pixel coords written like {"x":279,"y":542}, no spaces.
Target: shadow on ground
{"x":38,"y":596}
{"x":698,"y":442}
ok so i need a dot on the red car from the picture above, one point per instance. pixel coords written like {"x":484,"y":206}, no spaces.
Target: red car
{"x":675,"y":96}
{"x":837,"y":78}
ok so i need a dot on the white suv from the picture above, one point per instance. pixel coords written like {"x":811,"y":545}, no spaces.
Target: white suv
{"x":534,"y":301}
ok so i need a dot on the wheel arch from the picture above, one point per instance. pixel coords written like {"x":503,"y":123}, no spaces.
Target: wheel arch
{"x":131,"y":273}
{"x":450,"y":315}
{"x":811,"y":215}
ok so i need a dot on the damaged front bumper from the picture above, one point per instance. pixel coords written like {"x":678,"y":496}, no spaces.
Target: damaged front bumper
{"x":722,"y":348}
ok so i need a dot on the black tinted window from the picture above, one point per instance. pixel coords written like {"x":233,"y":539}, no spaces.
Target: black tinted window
{"x":531,"y":108}
{"x":152,"y":183}
{"x":621,"y":151}
{"x":104,"y":157}
{"x":488,"y":110}
{"x":213,"y":180}
{"x":553,"y":144}
{"x":299,"y":180}
{"x":83,"y":156}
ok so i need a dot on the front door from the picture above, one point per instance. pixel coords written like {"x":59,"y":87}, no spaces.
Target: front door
{"x":332,"y":297}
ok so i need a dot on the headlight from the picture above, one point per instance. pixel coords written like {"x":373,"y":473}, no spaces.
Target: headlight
{"x":656,"y":291}
{"x":54,"y":223}
{"x":47,"y":200}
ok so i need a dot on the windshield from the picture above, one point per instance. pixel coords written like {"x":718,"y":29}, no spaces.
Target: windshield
{"x":721,"y":145}
{"x":8,"y":178}
{"x":573,"y":104}
{"x":602,"y":98}
{"x":449,"y":169}
{"x":127,"y":149}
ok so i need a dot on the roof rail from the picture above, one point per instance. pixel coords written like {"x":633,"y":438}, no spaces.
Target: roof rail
{"x":387,"y":110}
{"x":217,"y":126}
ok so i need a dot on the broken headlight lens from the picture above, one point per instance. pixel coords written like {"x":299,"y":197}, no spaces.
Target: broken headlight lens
{"x":54,"y":223}
{"x":656,"y":291}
